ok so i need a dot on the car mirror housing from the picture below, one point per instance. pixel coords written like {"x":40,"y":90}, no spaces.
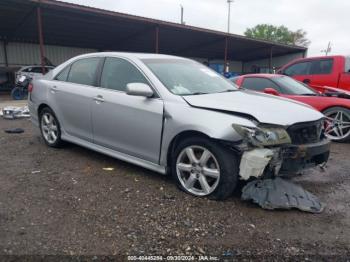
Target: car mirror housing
{"x":271,"y":91}
{"x":139,"y":89}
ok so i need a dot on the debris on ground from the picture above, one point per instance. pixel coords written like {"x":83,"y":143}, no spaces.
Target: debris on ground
{"x":279,"y":193}
{"x":108,"y":168}
{"x":14,"y":130}
{"x":14,"y":112}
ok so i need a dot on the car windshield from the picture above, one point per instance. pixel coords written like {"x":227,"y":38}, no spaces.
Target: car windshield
{"x":293,"y":87}
{"x":186,"y":77}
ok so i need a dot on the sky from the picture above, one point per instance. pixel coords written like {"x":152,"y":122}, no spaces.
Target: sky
{"x":324,"y":21}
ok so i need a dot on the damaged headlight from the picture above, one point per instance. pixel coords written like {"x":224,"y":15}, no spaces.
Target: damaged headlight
{"x":261,"y":136}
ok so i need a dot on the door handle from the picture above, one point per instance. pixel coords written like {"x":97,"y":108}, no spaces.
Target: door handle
{"x":54,"y":89}
{"x":99,"y":98}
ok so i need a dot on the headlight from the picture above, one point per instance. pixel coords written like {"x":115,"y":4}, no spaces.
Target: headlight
{"x":263,"y":136}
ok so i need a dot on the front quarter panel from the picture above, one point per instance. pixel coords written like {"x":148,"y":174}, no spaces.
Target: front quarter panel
{"x":181,"y":117}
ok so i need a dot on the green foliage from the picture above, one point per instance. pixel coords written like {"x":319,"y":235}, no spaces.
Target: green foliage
{"x":280,"y":34}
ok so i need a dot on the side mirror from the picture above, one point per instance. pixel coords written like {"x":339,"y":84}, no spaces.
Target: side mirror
{"x":139,"y":89}
{"x":271,"y":91}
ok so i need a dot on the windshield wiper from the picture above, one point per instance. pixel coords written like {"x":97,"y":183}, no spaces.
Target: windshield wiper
{"x":197,"y":93}
{"x":308,"y":94}
{"x":228,"y":90}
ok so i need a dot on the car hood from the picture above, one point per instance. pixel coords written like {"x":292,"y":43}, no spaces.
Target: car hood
{"x":266,"y":109}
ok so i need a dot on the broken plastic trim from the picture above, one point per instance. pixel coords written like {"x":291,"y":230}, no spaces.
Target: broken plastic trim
{"x":281,"y":194}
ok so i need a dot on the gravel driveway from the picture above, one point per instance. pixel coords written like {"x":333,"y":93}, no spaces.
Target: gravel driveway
{"x":62,"y":202}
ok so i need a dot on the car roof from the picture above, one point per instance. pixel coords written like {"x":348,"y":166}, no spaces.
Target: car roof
{"x":263,"y":75}
{"x":133,"y":55}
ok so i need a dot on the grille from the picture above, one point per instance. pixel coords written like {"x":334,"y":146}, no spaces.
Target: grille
{"x":305,"y":133}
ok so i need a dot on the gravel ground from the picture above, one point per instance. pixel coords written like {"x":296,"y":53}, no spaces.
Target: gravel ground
{"x":62,"y":202}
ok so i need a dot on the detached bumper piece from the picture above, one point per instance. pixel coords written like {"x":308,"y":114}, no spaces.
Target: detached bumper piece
{"x":299,"y":157}
{"x":13,"y":112}
{"x":281,"y":194}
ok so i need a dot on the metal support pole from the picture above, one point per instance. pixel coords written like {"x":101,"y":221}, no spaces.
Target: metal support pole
{"x":225,"y":55}
{"x":270,"y":60}
{"x":5,"y":53}
{"x":157,"y":39}
{"x":41,"y":39}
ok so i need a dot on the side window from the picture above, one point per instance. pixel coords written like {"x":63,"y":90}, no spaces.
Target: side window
{"x":302,"y":68}
{"x":62,"y":76}
{"x":84,"y":71}
{"x":321,"y":67}
{"x":117,"y":73}
{"x":347,"y":64}
{"x":259,"y":84}
{"x":36,"y":70}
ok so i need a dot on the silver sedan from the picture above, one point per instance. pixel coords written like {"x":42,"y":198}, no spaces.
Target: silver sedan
{"x":175,"y":116}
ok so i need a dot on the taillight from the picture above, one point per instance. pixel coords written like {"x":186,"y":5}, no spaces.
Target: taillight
{"x":30,"y":88}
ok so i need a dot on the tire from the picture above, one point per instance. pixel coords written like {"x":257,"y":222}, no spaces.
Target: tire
{"x":190,"y":176}
{"x":338,"y":130}
{"x":48,"y":123}
{"x":17,"y":94}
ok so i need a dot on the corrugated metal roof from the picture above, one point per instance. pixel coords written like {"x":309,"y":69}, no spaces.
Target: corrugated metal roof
{"x":86,"y":27}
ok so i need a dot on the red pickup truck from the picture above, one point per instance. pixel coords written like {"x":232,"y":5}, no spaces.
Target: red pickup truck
{"x":325,"y":73}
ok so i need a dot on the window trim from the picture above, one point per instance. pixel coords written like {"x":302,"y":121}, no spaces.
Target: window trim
{"x":150,"y":84}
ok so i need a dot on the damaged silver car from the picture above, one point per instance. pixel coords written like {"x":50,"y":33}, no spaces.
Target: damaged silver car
{"x":176,"y":116}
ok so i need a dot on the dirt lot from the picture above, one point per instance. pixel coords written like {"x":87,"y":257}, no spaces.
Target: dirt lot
{"x":62,"y":202}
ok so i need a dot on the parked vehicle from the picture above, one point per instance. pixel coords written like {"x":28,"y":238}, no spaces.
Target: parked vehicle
{"x":20,"y":91}
{"x":32,"y":71}
{"x":336,"y":106}
{"x":320,"y":72}
{"x":174,"y":115}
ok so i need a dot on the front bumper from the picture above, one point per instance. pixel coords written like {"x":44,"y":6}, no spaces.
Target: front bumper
{"x":299,"y":157}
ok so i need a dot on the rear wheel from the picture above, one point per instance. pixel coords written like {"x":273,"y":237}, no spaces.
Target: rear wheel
{"x":18,"y":93}
{"x":203,"y":168}
{"x":50,"y":128}
{"x":338,"y":124}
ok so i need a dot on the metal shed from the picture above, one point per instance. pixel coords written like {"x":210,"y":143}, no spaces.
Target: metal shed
{"x":47,"y":24}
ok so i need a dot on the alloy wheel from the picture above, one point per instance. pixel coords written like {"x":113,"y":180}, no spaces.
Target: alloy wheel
{"x":337,"y":125}
{"x":198,"y":170}
{"x":49,"y":128}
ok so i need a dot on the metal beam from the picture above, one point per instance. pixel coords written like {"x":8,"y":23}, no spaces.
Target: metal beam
{"x":5,"y":53}
{"x":41,"y":39}
{"x":157,"y":40}
{"x":225,"y":54}
{"x":270,"y":59}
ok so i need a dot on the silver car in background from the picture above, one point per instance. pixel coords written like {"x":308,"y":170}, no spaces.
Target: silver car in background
{"x":32,"y":72}
{"x":175,"y":116}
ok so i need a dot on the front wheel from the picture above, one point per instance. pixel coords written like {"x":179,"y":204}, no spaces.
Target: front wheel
{"x":204,"y":168}
{"x":338,"y":124}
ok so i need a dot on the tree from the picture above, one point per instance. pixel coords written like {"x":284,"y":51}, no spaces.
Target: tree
{"x":280,"y":34}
